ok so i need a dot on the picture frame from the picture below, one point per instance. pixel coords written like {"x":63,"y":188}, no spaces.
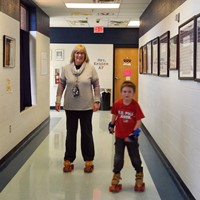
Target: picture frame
{"x":144,"y":60}
{"x":187,"y":50}
{"x":149,"y":57}
{"x":140,"y":60}
{"x":56,"y":76}
{"x":197,"y":59}
{"x":155,"y":56}
{"x":9,"y":51}
{"x":59,"y":54}
{"x":164,"y":54}
{"x":174,"y":52}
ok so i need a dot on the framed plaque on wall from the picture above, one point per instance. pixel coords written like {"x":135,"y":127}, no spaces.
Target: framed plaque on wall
{"x":155,"y":56}
{"x":144,"y":61}
{"x":149,"y":58}
{"x":140,"y":60}
{"x":164,"y":54}
{"x":187,"y":50}
{"x":197,"y":69}
{"x":9,"y":51}
{"x":174,"y":52}
{"x":59,"y":54}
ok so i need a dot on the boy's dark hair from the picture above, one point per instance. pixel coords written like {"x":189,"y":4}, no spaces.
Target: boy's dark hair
{"x":128,"y":84}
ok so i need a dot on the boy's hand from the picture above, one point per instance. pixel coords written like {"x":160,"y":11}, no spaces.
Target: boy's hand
{"x":111,"y":128}
{"x":133,"y":136}
{"x":136,"y":132}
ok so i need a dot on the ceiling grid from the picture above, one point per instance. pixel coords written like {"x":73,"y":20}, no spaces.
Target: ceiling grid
{"x":61,"y":16}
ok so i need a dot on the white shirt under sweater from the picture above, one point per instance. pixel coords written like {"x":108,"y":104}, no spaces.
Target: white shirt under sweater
{"x":88,"y":84}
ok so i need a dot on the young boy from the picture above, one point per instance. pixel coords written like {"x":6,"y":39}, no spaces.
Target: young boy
{"x":126,"y":116}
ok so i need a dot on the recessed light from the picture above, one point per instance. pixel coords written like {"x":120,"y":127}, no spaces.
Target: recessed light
{"x":93,"y":5}
{"x":134,"y":23}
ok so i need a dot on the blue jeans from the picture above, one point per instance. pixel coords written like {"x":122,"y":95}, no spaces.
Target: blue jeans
{"x":133,"y":151}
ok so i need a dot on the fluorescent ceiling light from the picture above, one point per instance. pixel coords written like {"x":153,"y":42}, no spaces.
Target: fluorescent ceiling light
{"x":92,"y":5}
{"x":134,"y":23}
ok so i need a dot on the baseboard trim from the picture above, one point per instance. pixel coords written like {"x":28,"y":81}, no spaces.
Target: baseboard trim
{"x":172,"y":172}
{"x":14,"y":159}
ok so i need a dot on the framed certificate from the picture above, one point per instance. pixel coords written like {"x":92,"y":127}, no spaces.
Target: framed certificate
{"x":186,"y":50}
{"x":164,"y":54}
{"x":59,"y":54}
{"x":9,"y":51}
{"x":144,"y":60}
{"x":155,"y":56}
{"x":140,"y":60}
{"x":197,"y":69}
{"x":174,"y":52}
{"x":149,"y":58}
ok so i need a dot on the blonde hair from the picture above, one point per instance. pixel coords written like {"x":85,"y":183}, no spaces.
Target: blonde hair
{"x":79,"y":48}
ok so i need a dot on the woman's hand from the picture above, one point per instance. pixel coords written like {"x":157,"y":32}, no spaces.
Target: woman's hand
{"x":96,"y":106}
{"x":57,"y":106}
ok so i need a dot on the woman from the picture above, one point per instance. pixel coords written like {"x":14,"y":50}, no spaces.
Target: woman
{"x":80,"y":81}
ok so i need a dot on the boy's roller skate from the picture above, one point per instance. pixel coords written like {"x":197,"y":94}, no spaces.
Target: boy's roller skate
{"x":68,"y":166}
{"x":139,"y":184}
{"x":115,"y":186}
{"x":89,"y":167}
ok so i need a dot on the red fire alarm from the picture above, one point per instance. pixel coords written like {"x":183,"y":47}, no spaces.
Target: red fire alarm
{"x":98,"y":29}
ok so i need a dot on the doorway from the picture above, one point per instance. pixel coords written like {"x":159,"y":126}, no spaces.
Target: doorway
{"x":125,"y":68}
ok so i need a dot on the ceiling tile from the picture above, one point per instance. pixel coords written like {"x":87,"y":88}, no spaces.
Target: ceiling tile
{"x":60,"y":16}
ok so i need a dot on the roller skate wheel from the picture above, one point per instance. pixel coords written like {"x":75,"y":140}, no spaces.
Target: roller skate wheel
{"x":68,"y":168}
{"x":89,"y":169}
{"x":115,"y":188}
{"x":140,"y":189}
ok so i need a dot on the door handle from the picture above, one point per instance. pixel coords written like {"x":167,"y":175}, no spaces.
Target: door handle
{"x":116,"y":78}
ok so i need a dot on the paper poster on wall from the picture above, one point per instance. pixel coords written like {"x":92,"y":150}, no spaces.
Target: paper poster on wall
{"x":44,"y":63}
{"x":127,"y":61}
{"x":8,"y":86}
{"x":127,"y":72}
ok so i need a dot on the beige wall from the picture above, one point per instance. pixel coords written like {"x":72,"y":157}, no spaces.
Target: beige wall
{"x":21,"y":123}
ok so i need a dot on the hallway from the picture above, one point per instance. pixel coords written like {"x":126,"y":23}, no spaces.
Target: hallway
{"x":42,"y":178}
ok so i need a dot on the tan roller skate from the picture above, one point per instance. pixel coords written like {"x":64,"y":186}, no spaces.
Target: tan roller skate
{"x":68,"y":166}
{"x":89,"y":167}
{"x":139,"y":184}
{"x":115,"y":186}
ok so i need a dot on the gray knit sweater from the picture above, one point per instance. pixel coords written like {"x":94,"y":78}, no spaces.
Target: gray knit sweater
{"x":88,"y":83}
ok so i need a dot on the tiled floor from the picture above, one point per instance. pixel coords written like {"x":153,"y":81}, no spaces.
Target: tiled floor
{"x":42,"y":178}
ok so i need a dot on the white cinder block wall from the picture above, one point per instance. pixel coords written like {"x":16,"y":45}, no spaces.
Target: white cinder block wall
{"x":172,"y":107}
{"x":22,"y":123}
